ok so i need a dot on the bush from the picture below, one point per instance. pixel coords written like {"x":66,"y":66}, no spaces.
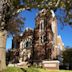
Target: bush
{"x":32,"y":69}
{"x":12,"y":69}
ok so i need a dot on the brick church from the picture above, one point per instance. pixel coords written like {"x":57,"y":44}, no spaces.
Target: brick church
{"x":42,"y":43}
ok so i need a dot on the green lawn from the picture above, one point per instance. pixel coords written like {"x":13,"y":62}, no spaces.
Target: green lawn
{"x":32,"y":69}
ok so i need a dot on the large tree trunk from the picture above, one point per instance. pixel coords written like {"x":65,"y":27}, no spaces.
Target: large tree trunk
{"x":3,"y":37}
{"x":4,"y":11}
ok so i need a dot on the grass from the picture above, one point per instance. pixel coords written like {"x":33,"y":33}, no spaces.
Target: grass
{"x":32,"y":69}
{"x":45,"y":70}
{"x":12,"y":69}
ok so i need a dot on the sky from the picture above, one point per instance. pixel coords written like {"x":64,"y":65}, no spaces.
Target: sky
{"x":64,"y":31}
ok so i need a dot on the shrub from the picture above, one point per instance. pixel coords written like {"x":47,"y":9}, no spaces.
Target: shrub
{"x":32,"y":69}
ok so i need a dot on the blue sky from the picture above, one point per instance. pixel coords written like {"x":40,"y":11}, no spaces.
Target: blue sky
{"x":65,"y":32}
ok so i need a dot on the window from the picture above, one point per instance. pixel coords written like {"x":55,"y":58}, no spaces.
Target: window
{"x":42,"y":39}
{"x":41,"y":25}
{"x":28,"y":44}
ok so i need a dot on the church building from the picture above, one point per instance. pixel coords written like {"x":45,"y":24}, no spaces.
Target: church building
{"x":42,"y":43}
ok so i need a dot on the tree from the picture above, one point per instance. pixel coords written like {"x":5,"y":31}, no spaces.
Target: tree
{"x":67,"y":57}
{"x":9,"y":20}
{"x":65,"y":5}
{"x":10,"y":24}
{"x":12,"y":56}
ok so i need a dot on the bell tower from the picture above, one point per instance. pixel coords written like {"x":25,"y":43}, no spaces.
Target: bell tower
{"x":39,"y":33}
{"x":43,"y":37}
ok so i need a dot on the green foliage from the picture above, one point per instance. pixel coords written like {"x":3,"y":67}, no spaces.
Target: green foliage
{"x":65,"y":71}
{"x":10,"y":20}
{"x":67,"y":56}
{"x":12,"y":69}
{"x":12,"y":6}
{"x":15,"y":2}
{"x":50,"y":5}
{"x":12,"y":56}
{"x":32,"y":69}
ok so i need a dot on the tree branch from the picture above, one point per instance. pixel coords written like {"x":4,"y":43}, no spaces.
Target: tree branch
{"x":57,"y":3}
{"x":53,"y":14}
{"x":19,"y":10}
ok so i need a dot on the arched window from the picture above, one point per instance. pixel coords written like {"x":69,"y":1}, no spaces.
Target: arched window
{"x":41,"y":25}
{"x":28,"y":44}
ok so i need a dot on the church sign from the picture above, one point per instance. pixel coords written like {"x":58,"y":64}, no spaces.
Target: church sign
{"x":51,"y":64}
